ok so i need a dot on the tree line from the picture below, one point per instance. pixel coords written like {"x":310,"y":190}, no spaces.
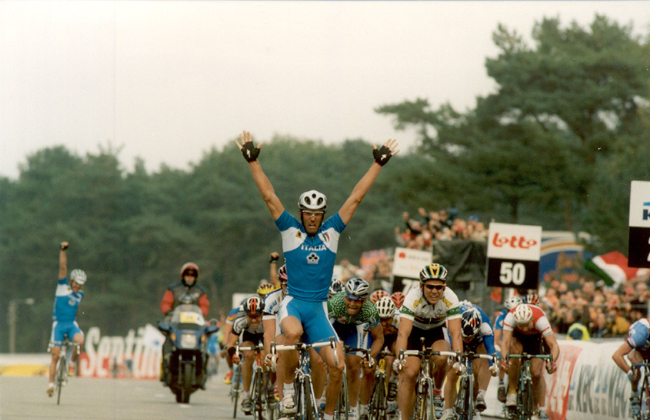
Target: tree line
{"x":556,"y":145}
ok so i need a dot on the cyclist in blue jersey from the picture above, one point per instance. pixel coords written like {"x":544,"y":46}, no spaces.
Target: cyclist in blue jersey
{"x":637,"y":349}
{"x":66,"y":304}
{"x":478,"y":337}
{"x":309,"y":246}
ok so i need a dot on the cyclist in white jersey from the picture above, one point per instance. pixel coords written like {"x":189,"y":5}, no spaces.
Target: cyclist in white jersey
{"x":309,"y":247}
{"x":66,"y":304}
{"x":423,"y":315}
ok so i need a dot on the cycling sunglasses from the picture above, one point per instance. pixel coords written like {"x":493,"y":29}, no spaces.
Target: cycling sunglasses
{"x":437,"y":287}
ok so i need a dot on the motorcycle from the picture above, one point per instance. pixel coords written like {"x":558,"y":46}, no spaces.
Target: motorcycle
{"x":188,"y":334}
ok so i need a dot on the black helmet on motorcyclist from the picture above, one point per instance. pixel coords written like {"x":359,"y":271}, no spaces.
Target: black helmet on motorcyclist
{"x":190,"y":269}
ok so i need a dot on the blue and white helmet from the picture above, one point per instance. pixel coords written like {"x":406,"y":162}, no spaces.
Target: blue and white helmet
{"x":358,"y":288}
{"x":470,"y":322}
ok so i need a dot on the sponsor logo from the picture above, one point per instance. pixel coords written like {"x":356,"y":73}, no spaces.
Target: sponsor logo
{"x":313,"y":248}
{"x":646,"y":211}
{"x":312,"y":258}
{"x":514,"y":241}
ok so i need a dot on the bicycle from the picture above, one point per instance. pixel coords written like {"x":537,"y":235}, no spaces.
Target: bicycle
{"x":642,"y":412}
{"x":464,"y":405}
{"x":378,"y":406}
{"x":525,"y":407}
{"x":235,"y":386}
{"x":61,"y":372}
{"x":306,"y":404}
{"x":259,"y":388}
{"x":424,"y":406}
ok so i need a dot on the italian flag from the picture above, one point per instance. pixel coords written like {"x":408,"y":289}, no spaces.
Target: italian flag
{"x":611,"y":268}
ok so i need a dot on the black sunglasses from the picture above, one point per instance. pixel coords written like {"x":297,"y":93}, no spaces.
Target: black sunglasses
{"x":434,"y":286}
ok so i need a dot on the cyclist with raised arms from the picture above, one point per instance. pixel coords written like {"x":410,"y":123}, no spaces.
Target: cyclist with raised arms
{"x":526,"y":329}
{"x":351,"y":314}
{"x":508,"y":304}
{"x":67,"y":298}
{"x":423,"y":314}
{"x":478,"y":338}
{"x":637,"y":349}
{"x":273,"y":332}
{"x":248,"y":331}
{"x":310,"y":246}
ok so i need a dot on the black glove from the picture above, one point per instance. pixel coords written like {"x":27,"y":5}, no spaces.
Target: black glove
{"x":382,"y":155}
{"x":250,"y":152}
{"x":64,"y":247}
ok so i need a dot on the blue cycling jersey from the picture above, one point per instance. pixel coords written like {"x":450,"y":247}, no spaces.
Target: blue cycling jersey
{"x":485,"y":335}
{"x":638,"y":336}
{"x":66,"y":302}
{"x":498,"y":323}
{"x":309,"y":259}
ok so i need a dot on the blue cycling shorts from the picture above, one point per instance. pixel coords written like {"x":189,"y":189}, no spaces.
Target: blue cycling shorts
{"x":313,"y":317}
{"x":61,"y":329}
{"x":353,"y":336}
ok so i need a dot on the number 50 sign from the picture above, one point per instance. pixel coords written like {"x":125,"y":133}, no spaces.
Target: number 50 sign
{"x":513,"y":256}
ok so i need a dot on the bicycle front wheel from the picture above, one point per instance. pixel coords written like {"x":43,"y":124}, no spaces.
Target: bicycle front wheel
{"x":378,"y":405}
{"x":234,"y":390}
{"x":343,"y":405}
{"x":61,"y":375}
{"x":528,"y":404}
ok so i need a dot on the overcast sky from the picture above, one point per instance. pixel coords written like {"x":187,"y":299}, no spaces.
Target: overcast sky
{"x":169,"y":80}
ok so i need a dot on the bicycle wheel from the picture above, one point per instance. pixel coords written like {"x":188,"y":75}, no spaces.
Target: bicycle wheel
{"x":645,"y":398}
{"x":311,"y":405}
{"x":378,"y":404}
{"x":462,"y":399}
{"x":61,"y":375}
{"x":234,"y":390}
{"x":258,"y":395}
{"x":528,"y":406}
{"x":343,"y":405}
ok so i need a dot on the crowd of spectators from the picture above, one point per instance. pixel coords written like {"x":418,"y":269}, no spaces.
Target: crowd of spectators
{"x":420,"y":230}
{"x":605,"y":311}
{"x":569,"y":295}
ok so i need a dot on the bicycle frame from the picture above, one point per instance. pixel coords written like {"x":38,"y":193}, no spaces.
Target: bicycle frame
{"x":525,"y":407}
{"x":235,"y":386}
{"x":644,"y":390}
{"x":424,"y":385}
{"x":378,"y":400}
{"x":258,"y":386}
{"x":306,"y":404}
{"x":61,"y":372}
{"x":464,"y":404}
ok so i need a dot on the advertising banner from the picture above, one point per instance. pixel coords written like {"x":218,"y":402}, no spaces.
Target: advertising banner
{"x":134,"y":356}
{"x":639,"y":239}
{"x":407,"y":265}
{"x":513,"y":255}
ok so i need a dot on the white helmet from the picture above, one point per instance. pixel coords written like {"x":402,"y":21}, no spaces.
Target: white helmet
{"x":78,"y":276}
{"x":523,"y":314}
{"x":511,"y":302}
{"x":385,"y":307}
{"x":312,"y":200}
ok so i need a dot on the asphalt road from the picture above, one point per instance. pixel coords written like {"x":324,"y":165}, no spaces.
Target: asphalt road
{"x":24,"y":397}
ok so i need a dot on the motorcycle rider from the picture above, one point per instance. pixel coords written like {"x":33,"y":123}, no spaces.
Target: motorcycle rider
{"x":171,"y":299}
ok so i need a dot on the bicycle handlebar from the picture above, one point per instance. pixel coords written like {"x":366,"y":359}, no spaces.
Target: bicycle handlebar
{"x":366,"y":354}
{"x":526,"y":356}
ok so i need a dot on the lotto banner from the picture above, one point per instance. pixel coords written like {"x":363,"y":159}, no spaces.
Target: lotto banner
{"x":586,"y":386}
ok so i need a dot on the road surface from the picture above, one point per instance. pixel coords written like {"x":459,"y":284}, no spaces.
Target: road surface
{"x":24,"y":397}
